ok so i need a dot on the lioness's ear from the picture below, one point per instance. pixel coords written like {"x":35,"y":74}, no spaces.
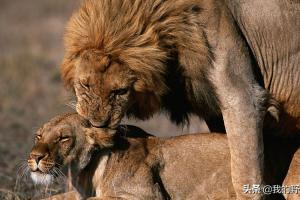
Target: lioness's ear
{"x":101,"y":137}
{"x":68,"y":71}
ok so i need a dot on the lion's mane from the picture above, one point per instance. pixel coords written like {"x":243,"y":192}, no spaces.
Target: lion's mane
{"x":165,"y":42}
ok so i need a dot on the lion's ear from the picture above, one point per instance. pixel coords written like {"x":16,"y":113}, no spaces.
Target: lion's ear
{"x":68,"y":72}
{"x":101,"y":137}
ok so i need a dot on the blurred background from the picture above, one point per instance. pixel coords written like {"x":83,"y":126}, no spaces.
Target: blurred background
{"x":31,"y":92}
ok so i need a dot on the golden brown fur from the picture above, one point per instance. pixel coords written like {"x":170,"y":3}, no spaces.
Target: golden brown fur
{"x":143,"y":50}
{"x":56,"y":143}
{"x":135,"y":165}
{"x":293,"y":177}
{"x":211,"y":58}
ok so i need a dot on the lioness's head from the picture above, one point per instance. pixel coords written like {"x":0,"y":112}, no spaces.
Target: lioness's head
{"x":113,"y":71}
{"x":64,"y":139}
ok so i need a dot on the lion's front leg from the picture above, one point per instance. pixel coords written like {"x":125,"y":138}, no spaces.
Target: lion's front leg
{"x":243,"y":113}
{"x":243,"y":106}
{"x":243,"y":122}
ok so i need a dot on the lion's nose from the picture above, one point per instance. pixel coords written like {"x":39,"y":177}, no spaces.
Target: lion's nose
{"x":37,"y":156}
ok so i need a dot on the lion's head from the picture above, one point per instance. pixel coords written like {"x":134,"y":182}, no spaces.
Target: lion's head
{"x":64,"y":139}
{"x":118,"y":53}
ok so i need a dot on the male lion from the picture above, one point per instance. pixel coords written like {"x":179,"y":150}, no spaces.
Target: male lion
{"x":222,"y":60}
{"x":131,"y":164}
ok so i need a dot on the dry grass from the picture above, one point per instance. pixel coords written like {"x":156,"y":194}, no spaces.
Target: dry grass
{"x":31,"y":92}
{"x":30,"y":88}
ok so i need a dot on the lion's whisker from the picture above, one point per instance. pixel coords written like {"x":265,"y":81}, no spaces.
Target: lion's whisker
{"x":71,"y":104}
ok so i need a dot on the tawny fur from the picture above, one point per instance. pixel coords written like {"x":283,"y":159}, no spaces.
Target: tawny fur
{"x":211,"y":58}
{"x":145,"y":39}
{"x":140,"y":166}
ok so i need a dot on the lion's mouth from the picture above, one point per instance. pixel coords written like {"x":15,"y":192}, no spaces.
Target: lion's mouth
{"x":99,"y":124}
{"x":112,"y":122}
{"x":104,"y":124}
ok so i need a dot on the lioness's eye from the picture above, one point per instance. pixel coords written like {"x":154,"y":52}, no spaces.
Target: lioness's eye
{"x":38,"y":137}
{"x":120,"y":91}
{"x":64,"y":138}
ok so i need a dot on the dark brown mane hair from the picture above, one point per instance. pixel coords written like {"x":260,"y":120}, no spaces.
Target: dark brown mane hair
{"x":163,"y":41}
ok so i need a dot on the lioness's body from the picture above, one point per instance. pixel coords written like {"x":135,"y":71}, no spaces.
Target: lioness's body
{"x":193,"y":167}
{"x":134,"y":165}
{"x":178,"y":168}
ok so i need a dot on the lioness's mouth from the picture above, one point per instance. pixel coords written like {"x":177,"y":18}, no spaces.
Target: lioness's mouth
{"x":37,"y":171}
{"x":39,"y":177}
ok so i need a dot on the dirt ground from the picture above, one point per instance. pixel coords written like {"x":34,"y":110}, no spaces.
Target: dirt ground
{"x":31,"y":92}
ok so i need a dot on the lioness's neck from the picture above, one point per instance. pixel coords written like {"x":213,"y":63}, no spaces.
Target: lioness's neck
{"x":87,"y":181}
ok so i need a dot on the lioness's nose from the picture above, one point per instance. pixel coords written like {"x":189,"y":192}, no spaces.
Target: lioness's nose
{"x":37,"y":156}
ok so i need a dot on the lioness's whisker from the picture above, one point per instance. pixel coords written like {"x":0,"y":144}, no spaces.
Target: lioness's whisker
{"x":22,"y":170}
{"x":47,"y":189}
{"x":21,"y":167}
{"x":44,"y":178}
{"x":22,"y":163}
{"x":26,"y":173}
{"x":60,"y":165}
{"x":60,"y":173}
{"x":54,"y":173}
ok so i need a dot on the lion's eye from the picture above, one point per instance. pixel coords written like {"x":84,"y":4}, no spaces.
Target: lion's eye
{"x":85,"y":84}
{"x":120,"y":91}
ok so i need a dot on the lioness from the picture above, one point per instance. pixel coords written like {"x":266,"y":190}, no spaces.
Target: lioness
{"x":222,"y":60}
{"x":131,"y":164}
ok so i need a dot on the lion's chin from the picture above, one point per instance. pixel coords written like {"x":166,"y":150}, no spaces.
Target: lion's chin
{"x":41,"y":178}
